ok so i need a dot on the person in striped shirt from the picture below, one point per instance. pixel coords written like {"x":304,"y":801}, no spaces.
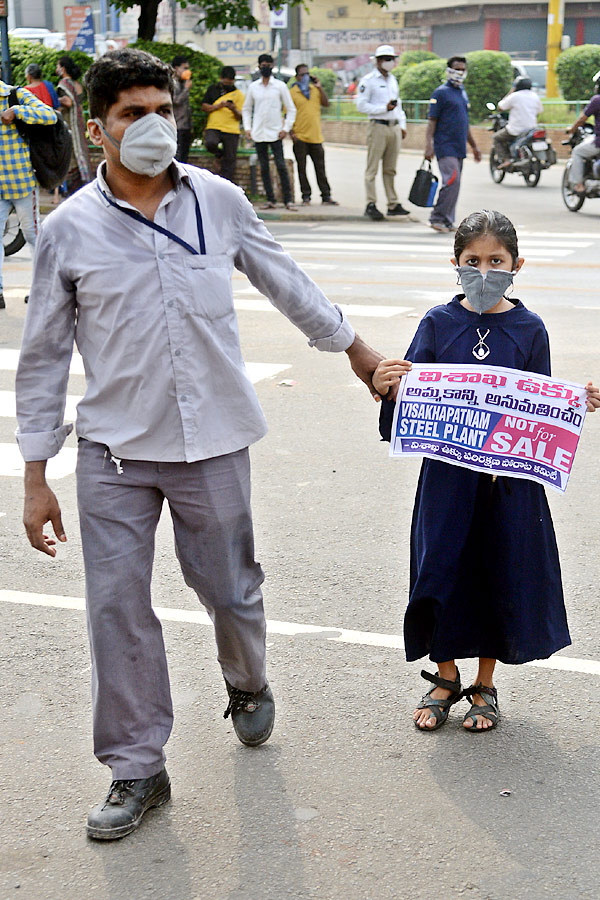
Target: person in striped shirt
{"x":17,"y":181}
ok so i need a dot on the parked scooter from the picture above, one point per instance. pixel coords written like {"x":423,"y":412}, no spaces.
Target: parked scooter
{"x":531,"y":152}
{"x":591,"y":173}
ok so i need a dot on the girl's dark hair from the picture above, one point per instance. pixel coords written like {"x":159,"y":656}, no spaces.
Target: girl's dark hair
{"x":122,"y":69}
{"x":72,"y":69}
{"x":486,"y":221}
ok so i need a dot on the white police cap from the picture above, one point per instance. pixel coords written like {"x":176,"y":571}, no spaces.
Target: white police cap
{"x":384,"y":50}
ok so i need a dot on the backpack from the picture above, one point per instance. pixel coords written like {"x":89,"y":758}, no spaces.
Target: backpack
{"x":50,"y":148}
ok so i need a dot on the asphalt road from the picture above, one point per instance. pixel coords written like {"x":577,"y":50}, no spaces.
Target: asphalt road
{"x":346,"y":801}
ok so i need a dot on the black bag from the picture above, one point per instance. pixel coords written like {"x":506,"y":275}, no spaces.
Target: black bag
{"x":50,"y":148}
{"x":424,"y":187}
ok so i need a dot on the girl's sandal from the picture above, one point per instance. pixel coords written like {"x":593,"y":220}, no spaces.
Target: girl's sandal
{"x":439,"y":709}
{"x":490,"y":711}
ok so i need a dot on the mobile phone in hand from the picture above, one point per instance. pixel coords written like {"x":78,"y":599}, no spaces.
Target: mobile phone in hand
{"x":394,"y":103}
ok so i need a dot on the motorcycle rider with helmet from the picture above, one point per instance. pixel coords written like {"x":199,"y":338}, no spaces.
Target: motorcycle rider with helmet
{"x":589,"y":148}
{"x":524,"y":106}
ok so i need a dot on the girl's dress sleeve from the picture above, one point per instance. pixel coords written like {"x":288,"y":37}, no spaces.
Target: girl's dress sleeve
{"x":539,"y":361}
{"x":421,"y":350}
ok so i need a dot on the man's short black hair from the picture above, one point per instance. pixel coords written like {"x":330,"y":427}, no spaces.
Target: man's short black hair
{"x":122,"y":69}
{"x":301,"y":66}
{"x":179,"y":61}
{"x":265,"y":57}
{"x":227,"y":72}
{"x":454,"y":59}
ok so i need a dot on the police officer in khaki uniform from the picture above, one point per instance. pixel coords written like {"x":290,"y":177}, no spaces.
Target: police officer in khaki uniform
{"x":378,"y":97}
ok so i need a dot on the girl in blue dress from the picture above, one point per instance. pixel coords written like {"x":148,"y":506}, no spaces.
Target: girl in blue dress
{"x":485,"y":577}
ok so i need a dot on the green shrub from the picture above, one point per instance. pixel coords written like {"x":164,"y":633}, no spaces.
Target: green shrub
{"x":420,"y":81}
{"x":327,"y":77}
{"x":205,"y":71}
{"x":489,"y":77}
{"x":412,"y":57}
{"x":575,"y":68}
{"x":22,"y":53}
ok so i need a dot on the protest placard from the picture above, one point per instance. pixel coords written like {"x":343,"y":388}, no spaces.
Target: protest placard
{"x":490,"y":419}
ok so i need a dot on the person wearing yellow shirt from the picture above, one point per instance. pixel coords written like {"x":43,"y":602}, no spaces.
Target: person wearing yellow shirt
{"x":223,"y":102}
{"x":308,"y":96}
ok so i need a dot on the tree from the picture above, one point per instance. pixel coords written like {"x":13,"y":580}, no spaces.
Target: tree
{"x":215,"y":13}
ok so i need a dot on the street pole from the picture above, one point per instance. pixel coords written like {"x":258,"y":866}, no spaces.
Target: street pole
{"x":6,"y":71}
{"x":556,"y":19}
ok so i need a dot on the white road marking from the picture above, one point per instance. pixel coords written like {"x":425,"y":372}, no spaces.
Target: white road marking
{"x":415,"y":249}
{"x":9,"y":360}
{"x":12,"y":465}
{"x":287,"y":629}
{"x":351,"y":309}
{"x":8,"y":405}
{"x":258,"y":371}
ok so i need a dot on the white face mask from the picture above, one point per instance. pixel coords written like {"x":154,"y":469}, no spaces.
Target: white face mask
{"x":388,"y":64}
{"x":456,"y":76}
{"x":148,"y":145}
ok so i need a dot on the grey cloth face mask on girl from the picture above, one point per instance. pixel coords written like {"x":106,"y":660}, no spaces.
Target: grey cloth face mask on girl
{"x":484,"y":291}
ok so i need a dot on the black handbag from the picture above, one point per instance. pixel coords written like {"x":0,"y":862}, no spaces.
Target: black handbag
{"x":50,"y":148}
{"x":424,"y":187}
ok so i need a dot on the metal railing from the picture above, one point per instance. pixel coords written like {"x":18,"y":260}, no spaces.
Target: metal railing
{"x":557,"y":113}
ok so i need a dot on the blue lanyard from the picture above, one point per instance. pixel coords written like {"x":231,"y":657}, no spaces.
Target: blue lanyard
{"x":133,"y":214}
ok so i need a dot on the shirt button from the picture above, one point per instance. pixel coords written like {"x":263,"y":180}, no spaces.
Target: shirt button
{"x":170,"y":303}
{"x":183,"y":398}
{"x":178,"y":353}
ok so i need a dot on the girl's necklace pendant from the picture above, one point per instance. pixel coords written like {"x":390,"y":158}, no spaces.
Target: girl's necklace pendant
{"x":481,"y":350}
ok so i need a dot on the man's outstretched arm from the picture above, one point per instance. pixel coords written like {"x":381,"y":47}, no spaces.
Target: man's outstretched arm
{"x":276,"y":275}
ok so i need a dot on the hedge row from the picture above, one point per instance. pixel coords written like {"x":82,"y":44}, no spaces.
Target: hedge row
{"x":205,"y":68}
{"x":575,"y":69}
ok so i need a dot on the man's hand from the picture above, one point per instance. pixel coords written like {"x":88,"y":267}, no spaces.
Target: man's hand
{"x":403,"y":133}
{"x":364,"y":360}
{"x":392,"y":105}
{"x":8,"y":115}
{"x":41,"y":506}
{"x":476,"y":154}
{"x":249,"y":135}
{"x":429,"y":153}
{"x":388,"y":375}
{"x":282,"y":134}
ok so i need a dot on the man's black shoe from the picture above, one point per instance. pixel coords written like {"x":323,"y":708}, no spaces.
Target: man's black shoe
{"x":253,"y":715}
{"x":373,"y":213}
{"x":125,"y":804}
{"x":26,"y":299}
{"x":398,"y":210}
{"x":2,"y":303}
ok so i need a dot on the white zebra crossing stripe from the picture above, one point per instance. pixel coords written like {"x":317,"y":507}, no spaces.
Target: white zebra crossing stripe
{"x":334,"y":634}
{"x":12,"y":465}
{"x":350,"y":309}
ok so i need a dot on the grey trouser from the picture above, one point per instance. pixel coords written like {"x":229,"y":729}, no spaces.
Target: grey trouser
{"x":445,"y":209}
{"x":582,"y":152}
{"x":209,"y":503}
{"x":383,"y":145}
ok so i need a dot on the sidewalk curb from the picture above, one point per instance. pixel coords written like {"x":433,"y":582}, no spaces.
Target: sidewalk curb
{"x":325,"y":217}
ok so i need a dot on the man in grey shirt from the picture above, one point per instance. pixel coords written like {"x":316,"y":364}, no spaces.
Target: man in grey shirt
{"x":136,"y":269}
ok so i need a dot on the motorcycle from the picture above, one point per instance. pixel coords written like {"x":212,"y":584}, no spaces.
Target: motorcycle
{"x":531,"y":152}
{"x":12,"y":238}
{"x":591,"y":173}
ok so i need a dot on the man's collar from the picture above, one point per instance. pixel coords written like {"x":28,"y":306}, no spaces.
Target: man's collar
{"x":178,"y":173}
